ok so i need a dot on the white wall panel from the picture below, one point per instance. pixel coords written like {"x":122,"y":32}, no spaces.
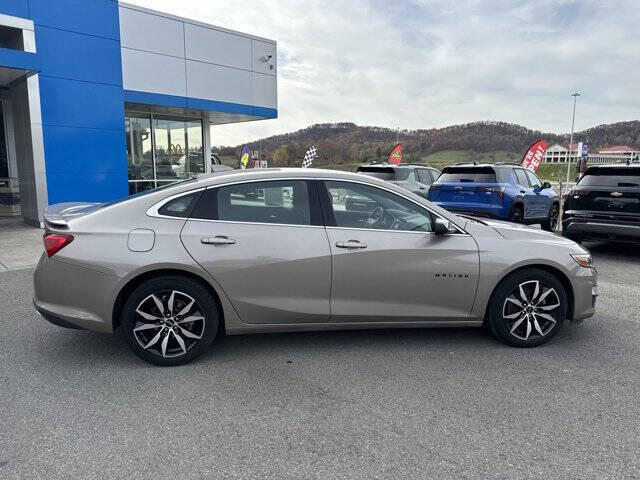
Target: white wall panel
{"x":152,"y":33}
{"x":260,"y":51}
{"x":150,"y":72}
{"x":213,"y":46}
{"x":264,"y":90}
{"x":213,"y":82}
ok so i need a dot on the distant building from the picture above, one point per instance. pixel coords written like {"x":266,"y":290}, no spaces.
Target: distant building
{"x":617,"y":154}
{"x":558,"y":153}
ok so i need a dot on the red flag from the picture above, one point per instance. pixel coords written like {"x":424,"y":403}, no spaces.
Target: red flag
{"x":533,"y":157}
{"x":395,"y":157}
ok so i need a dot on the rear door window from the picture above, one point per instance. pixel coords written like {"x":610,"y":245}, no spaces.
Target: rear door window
{"x":283,"y":202}
{"x":424,"y":176}
{"x":611,"y":177}
{"x":521,"y":176}
{"x":468,"y":174}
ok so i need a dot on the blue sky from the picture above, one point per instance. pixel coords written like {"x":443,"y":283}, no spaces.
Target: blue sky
{"x":431,"y":63}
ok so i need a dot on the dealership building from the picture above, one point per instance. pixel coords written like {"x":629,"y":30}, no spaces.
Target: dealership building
{"x":100,"y":99}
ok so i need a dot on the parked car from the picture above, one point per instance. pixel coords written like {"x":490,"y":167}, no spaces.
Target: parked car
{"x":173,"y":267}
{"x":501,"y":191}
{"x":604,"y":205}
{"x":416,"y":178}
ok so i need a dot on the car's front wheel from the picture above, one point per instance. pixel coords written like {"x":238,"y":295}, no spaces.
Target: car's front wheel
{"x":527,"y":308}
{"x":169,"y":320}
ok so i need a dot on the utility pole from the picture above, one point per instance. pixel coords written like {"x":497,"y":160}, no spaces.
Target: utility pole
{"x":575,"y":96}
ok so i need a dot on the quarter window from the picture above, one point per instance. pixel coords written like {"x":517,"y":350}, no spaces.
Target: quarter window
{"x":181,"y":206}
{"x":354,"y":205}
{"x":284,"y":202}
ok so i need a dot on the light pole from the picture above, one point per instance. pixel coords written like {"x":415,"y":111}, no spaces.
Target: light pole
{"x":575,"y":96}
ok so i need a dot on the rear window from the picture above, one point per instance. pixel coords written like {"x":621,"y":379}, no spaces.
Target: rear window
{"x":468,"y":174}
{"x":611,"y":177}
{"x":383,"y":173}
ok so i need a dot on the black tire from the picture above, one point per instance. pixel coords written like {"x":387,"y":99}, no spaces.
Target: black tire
{"x":530,"y":321}
{"x":516,"y":215}
{"x":203,"y":324}
{"x":551,"y":223}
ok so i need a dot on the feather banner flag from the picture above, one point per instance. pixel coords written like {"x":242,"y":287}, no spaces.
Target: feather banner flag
{"x":244,"y":158}
{"x":309,"y":155}
{"x":535,"y":154}
{"x":395,"y":157}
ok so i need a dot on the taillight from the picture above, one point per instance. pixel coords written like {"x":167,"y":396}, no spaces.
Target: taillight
{"x":54,"y":242}
{"x":434,"y":187}
{"x":498,"y":190}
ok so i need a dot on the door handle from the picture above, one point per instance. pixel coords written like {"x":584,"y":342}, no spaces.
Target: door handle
{"x":217,"y":240}
{"x":353,"y":244}
{"x":523,"y":191}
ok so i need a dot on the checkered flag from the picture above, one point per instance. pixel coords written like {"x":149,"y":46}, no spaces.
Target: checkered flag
{"x":309,"y":155}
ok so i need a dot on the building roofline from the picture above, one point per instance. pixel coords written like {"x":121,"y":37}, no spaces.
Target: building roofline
{"x":193,"y":22}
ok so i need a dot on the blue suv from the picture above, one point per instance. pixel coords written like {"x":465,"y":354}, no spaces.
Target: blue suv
{"x":504,"y":191}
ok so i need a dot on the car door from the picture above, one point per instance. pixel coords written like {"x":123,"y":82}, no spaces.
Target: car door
{"x":425,"y":181}
{"x":265,"y":244}
{"x":387,"y":265}
{"x":528,"y":195}
{"x":542,"y":202}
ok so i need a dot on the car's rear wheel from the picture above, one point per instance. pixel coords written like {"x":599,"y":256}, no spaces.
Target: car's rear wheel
{"x":169,"y":320}
{"x":516,"y":215}
{"x":528,"y":308}
{"x":551,"y":223}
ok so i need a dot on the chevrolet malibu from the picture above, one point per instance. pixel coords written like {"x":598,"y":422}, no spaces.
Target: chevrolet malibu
{"x":275,"y":250}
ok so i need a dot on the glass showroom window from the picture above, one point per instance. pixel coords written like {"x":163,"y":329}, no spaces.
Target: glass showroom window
{"x":162,"y":149}
{"x":139,"y":153}
{"x":178,"y":148}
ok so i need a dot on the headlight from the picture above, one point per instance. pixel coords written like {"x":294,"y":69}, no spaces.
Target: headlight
{"x":583,"y":259}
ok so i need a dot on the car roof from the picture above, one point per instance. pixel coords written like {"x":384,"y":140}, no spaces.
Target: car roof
{"x":399,"y":165}
{"x":485,"y":165}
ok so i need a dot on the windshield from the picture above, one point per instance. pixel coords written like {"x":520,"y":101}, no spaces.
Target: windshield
{"x":611,"y":177}
{"x":468,"y":174}
{"x":147,"y":192}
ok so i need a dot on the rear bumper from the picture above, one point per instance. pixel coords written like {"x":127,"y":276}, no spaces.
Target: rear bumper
{"x":71,"y":296}
{"x":489,"y":211}
{"x":601,"y":229}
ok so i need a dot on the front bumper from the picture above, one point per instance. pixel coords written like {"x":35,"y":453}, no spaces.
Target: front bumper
{"x":585,"y":293}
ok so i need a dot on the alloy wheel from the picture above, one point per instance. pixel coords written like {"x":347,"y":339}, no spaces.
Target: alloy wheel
{"x":529,"y":310}
{"x":168,"y":323}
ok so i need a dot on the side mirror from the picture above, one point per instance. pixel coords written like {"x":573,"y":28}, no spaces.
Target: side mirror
{"x":442,"y":226}
{"x":546,"y":185}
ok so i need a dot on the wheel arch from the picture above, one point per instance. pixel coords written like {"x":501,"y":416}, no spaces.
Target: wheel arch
{"x":138,"y":279}
{"x":556,"y":272}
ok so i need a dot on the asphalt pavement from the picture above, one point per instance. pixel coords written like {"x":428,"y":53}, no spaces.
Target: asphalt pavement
{"x":441,"y":403}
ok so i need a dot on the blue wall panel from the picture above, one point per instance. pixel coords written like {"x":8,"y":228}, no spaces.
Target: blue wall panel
{"x":81,"y":104}
{"x":93,"y":17}
{"x":86,"y":187}
{"x":15,"y":8}
{"x":94,"y":59}
{"x":84,"y":150}
{"x":78,"y":42}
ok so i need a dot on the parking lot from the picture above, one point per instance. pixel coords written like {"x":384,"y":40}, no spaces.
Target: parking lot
{"x":448,"y":403}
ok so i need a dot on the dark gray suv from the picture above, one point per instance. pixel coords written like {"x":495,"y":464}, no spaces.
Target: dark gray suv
{"x":416,"y":178}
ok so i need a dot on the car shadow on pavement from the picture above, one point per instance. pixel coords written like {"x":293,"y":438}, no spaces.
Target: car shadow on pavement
{"x":613,"y":250}
{"x":83,"y":348}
